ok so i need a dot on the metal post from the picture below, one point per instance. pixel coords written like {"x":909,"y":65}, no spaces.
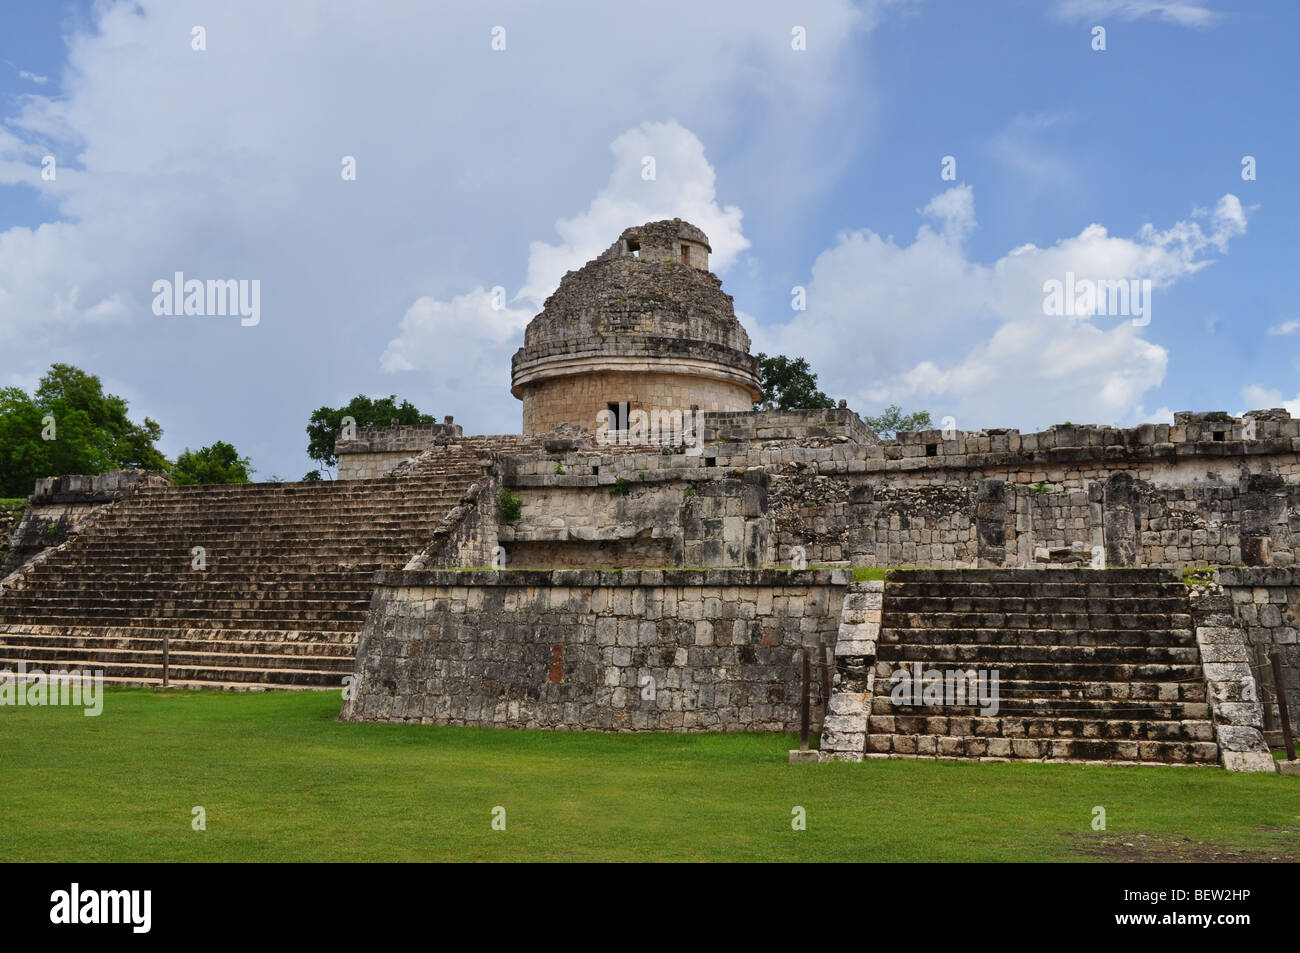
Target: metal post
{"x":166,"y":658}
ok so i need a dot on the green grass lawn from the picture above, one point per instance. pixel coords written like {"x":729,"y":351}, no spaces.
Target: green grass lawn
{"x":280,"y":779}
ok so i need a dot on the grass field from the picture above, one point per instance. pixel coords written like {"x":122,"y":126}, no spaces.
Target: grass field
{"x":279,"y":779}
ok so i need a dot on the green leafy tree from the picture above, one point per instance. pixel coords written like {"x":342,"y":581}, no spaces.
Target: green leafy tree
{"x":219,"y":463}
{"x":789,"y":385}
{"x":69,"y":425}
{"x":326,"y":422}
{"x":23,"y":454}
{"x":892,"y":421}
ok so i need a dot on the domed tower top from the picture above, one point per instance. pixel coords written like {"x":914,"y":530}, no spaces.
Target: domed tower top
{"x":671,"y":239}
{"x":645,"y":325}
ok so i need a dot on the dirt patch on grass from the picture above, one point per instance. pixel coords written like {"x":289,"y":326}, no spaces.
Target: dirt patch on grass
{"x":1161,"y":848}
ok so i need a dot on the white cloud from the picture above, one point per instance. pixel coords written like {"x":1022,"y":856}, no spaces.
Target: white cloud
{"x":225,"y":163}
{"x":27,"y":75}
{"x":1161,"y":415}
{"x":1286,"y":327}
{"x":683,"y":187}
{"x":1189,"y":13}
{"x":924,"y":326}
{"x":1022,"y":146}
{"x":1263,"y":398}
{"x":467,"y":344}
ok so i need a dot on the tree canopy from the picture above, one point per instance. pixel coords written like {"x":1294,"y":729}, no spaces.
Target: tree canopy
{"x":219,"y":463}
{"x":69,"y":425}
{"x":326,"y":422}
{"x":891,"y":421}
{"x":789,"y":385}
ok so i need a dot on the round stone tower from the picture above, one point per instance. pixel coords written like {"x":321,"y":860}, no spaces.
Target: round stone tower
{"x":644,"y":326}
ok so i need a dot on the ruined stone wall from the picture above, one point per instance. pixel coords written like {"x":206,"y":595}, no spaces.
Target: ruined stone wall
{"x":991,"y":522}
{"x":375,"y":451}
{"x":10,"y":516}
{"x":637,"y":650}
{"x":59,"y":508}
{"x":1267,"y":604}
{"x":370,"y":466}
{"x":751,"y":429}
{"x":637,"y":518}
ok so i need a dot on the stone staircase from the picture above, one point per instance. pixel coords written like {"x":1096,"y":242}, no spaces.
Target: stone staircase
{"x":281,"y":602}
{"x":1092,"y":666}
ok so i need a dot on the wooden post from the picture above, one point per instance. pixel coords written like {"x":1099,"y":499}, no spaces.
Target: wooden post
{"x":803,"y":708}
{"x":1279,"y":690}
{"x":828,"y":681}
{"x":1261,"y":664}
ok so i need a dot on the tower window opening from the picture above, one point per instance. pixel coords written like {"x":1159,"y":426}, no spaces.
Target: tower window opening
{"x":686,"y":254}
{"x":618,"y":415}
{"x":634,"y":249}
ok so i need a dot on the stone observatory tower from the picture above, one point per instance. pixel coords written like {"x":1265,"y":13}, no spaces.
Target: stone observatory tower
{"x":643,"y":326}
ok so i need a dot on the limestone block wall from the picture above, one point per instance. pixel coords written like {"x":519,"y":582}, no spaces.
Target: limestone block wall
{"x":370,"y":466}
{"x":675,"y":650}
{"x":844,"y":734}
{"x":1266,"y":602}
{"x":575,"y":400}
{"x":375,"y":451}
{"x":1231,"y":681}
{"x":752,"y":428}
{"x":638,"y":518}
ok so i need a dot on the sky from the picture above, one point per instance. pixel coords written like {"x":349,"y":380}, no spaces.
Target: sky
{"x":889,"y":188}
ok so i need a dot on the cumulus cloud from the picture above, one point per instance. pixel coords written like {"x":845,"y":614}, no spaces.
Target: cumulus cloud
{"x":924,"y":326}
{"x":467,"y":342}
{"x":1264,"y":398}
{"x":226,"y":164}
{"x":683,"y":186}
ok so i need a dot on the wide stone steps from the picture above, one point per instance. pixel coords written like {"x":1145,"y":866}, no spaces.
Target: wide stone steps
{"x":195,"y":619}
{"x":327,"y":644}
{"x":1091,"y":665}
{"x":107,"y":658}
{"x":1082,"y":604}
{"x":289,"y":574}
{"x":994,"y":636}
{"x":1038,"y":590}
{"x":269,"y":674}
{"x":1050,"y":749}
{"x":1032,"y":706}
{"x":93,"y":635}
{"x":1034,"y":620}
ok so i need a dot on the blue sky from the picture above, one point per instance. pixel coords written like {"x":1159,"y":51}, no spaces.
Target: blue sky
{"x":817,"y":168}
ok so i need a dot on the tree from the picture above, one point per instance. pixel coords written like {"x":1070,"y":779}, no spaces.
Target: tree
{"x":69,"y":425}
{"x":789,"y":385}
{"x":219,"y":463}
{"x":23,"y":454}
{"x":326,"y":422}
{"x":892,"y":421}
